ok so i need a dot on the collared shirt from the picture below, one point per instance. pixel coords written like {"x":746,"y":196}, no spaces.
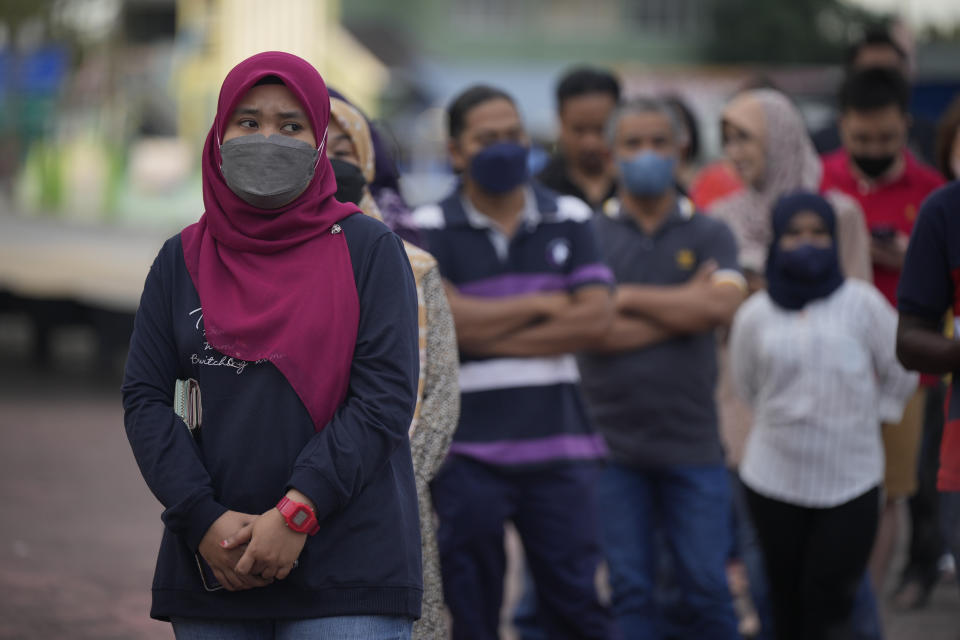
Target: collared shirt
{"x":655,"y":406}
{"x":821,"y":380}
{"x":518,"y":411}
{"x":556,"y":177}
{"x":929,"y":287}
{"x":530,"y":218}
{"x":892,"y":204}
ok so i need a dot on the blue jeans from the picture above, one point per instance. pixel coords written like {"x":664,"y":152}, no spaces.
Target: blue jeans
{"x":865,"y":618}
{"x":950,"y":524}
{"x":691,"y":505}
{"x":334,"y":628}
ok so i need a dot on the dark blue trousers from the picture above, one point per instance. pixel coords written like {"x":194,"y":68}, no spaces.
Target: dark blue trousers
{"x":554,"y":511}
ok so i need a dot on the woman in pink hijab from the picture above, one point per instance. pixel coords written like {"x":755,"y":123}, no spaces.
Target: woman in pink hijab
{"x":270,"y":384}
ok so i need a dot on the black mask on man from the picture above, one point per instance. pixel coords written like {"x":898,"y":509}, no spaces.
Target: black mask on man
{"x":874,"y":166}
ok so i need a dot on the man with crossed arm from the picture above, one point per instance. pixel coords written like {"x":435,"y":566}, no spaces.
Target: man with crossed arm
{"x":527,"y":288}
{"x":650,"y":386}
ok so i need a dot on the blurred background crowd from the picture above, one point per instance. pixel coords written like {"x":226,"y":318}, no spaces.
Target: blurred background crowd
{"x":106,"y":103}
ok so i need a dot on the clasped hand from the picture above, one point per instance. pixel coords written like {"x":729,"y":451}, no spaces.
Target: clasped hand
{"x":247,"y":551}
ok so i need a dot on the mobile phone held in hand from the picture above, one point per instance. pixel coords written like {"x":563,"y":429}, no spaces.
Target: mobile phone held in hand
{"x":885,"y":234}
{"x":210,"y":582}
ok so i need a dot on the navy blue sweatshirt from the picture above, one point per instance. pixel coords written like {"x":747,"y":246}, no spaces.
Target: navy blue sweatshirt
{"x":258,"y":440}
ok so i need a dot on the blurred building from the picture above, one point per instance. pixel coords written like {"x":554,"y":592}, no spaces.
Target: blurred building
{"x":116,"y":135}
{"x":213,"y":36}
{"x":437,"y":47}
{"x":600,"y":30}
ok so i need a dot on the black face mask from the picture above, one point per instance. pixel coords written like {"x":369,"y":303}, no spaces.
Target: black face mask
{"x":874,"y":166}
{"x":350,"y":181}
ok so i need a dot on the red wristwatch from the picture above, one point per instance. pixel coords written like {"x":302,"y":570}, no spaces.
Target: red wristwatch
{"x":299,"y":517}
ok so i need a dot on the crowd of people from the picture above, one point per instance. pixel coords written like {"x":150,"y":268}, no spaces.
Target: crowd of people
{"x":696,"y":379}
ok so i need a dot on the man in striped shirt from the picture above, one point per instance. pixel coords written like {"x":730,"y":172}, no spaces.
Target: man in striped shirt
{"x":527,"y":289}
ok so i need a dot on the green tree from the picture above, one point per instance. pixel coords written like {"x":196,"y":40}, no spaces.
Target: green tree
{"x":783,"y":31}
{"x":15,"y":13}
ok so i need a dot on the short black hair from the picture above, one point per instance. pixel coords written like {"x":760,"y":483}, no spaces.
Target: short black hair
{"x":468,"y":99}
{"x":874,"y":37}
{"x":873,"y":89}
{"x":583,"y":81}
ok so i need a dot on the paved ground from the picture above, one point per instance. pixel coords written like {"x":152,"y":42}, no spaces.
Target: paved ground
{"x":79,"y":529}
{"x":939,"y":621}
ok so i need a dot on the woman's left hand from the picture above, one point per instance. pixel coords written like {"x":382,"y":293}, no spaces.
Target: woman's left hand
{"x":272,"y":547}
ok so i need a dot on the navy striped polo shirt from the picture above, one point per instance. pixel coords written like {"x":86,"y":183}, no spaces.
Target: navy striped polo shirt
{"x":519,"y":411}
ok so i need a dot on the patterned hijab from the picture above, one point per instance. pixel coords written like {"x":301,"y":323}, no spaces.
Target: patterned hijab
{"x":355,"y":125}
{"x":385,"y":185}
{"x":792,"y":164}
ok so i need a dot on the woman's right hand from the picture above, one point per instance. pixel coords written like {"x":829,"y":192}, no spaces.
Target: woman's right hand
{"x":223,"y":561}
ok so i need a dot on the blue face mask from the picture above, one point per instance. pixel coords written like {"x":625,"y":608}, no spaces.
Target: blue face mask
{"x":647,"y":174}
{"x":500,"y":167}
{"x":808,"y":263}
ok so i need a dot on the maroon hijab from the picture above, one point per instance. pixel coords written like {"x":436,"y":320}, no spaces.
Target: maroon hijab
{"x":276,"y":284}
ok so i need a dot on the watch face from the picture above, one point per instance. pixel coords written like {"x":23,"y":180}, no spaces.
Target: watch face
{"x":300,"y":517}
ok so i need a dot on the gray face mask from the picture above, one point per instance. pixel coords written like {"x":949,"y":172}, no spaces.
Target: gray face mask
{"x":267,"y":172}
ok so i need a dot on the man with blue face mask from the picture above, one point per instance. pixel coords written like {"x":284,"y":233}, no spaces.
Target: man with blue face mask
{"x":650,"y":387}
{"x":527,"y":288}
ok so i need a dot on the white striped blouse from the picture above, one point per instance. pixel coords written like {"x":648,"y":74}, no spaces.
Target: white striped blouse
{"x":821,"y":380}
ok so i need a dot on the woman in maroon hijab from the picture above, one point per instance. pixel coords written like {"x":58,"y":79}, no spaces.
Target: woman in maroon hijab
{"x":282,"y":328}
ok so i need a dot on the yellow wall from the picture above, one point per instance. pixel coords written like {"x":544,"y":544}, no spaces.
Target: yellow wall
{"x":215,"y":35}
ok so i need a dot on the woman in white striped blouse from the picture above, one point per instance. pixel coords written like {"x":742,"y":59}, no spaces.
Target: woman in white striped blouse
{"x":814,"y":355}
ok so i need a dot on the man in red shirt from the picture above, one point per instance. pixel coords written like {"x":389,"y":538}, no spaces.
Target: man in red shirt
{"x":876,"y":168}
